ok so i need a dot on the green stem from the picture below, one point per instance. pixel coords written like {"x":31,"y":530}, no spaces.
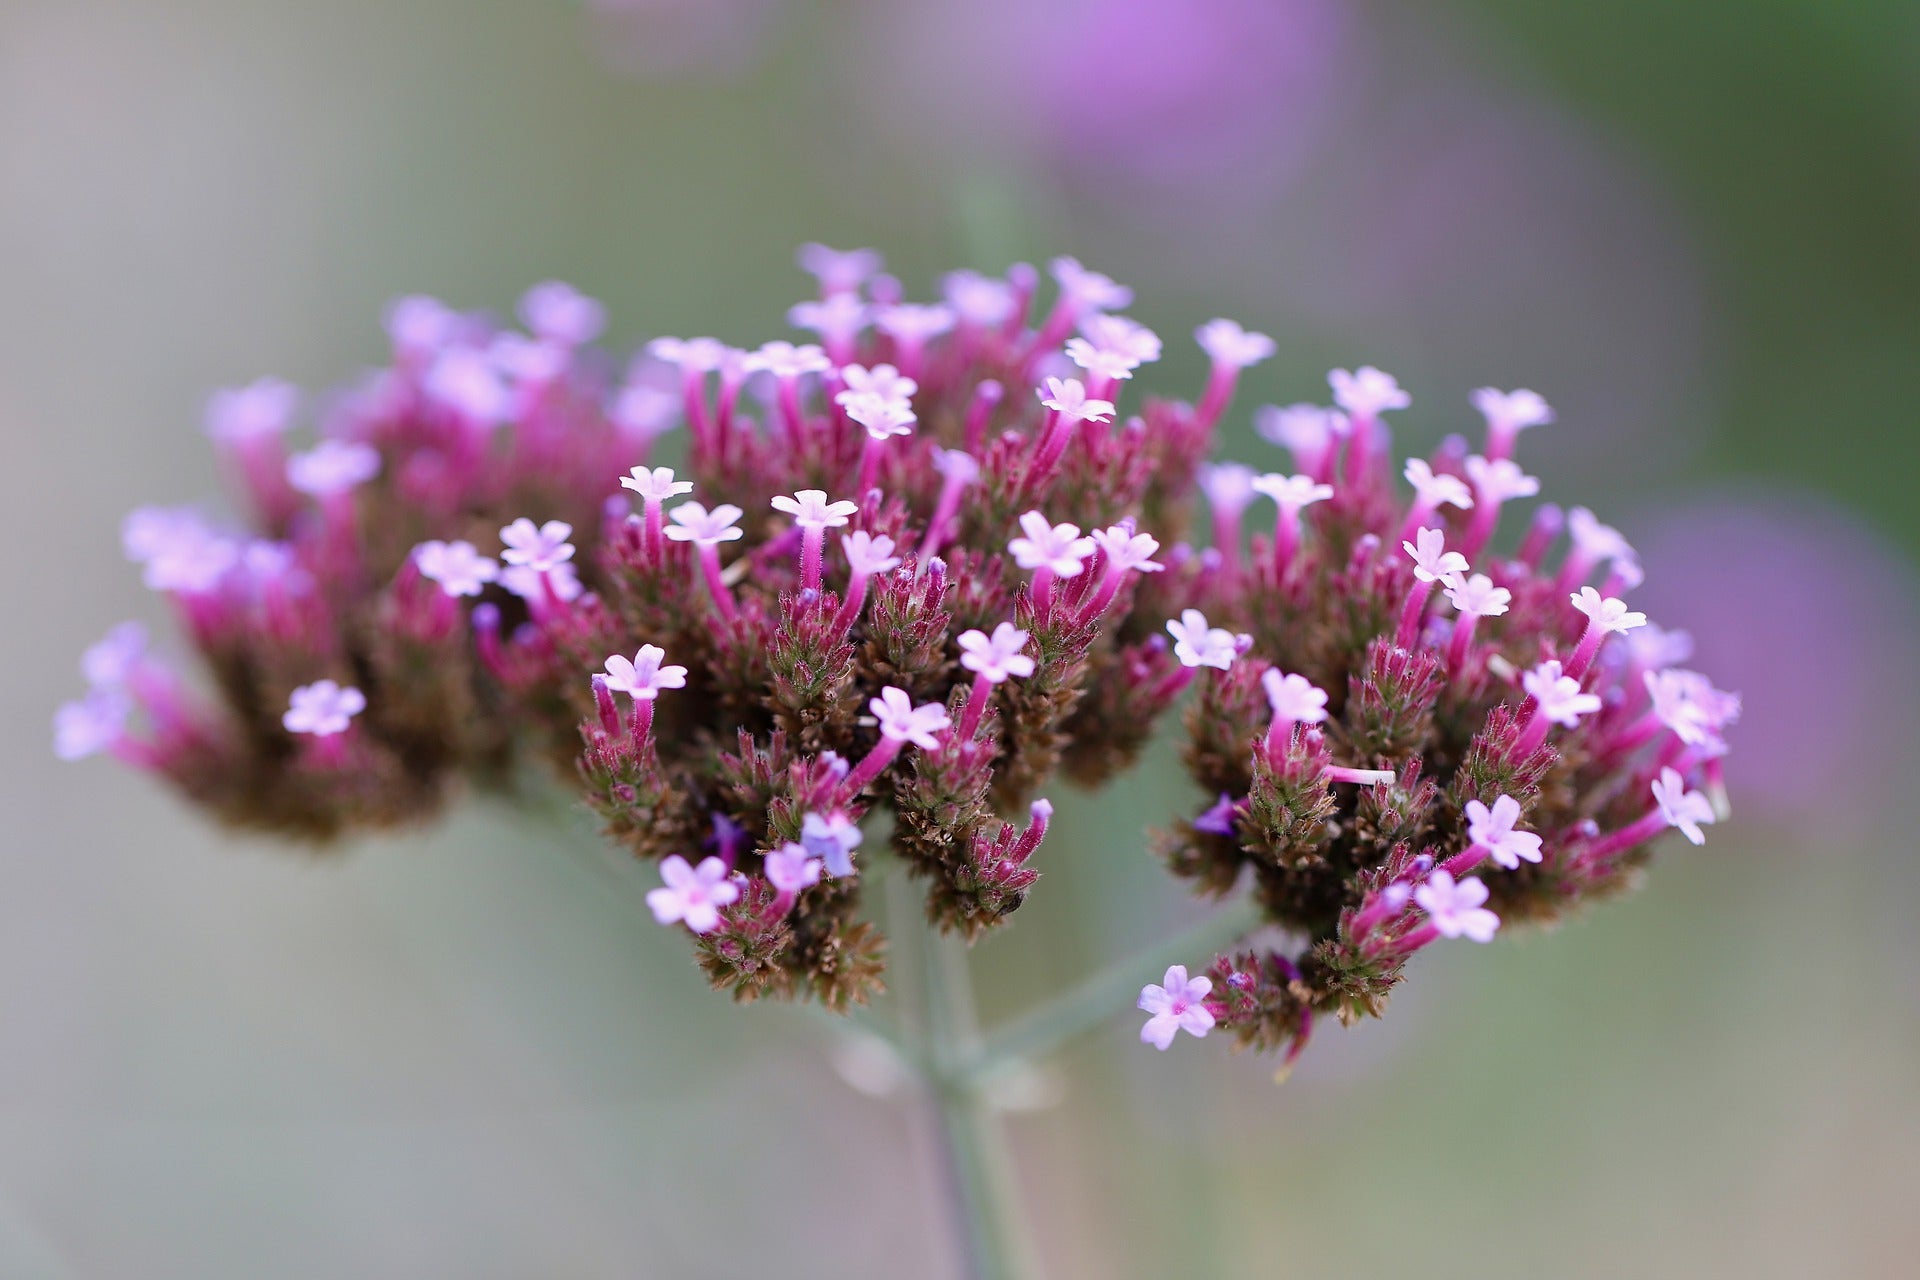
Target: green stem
{"x":1068,"y":1016}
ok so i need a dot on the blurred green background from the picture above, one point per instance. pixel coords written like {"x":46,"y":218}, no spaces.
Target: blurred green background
{"x":1695,"y":228}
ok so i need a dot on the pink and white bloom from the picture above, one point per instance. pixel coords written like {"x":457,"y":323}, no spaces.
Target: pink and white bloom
{"x":1685,"y":810}
{"x":540,"y":547}
{"x":882,"y":380}
{"x":1308,"y":431}
{"x":811,"y":510}
{"x":692,"y":895}
{"x":1433,"y":490}
{"x":791,"y":868}
{"x":1104,"y":365}
{"x":643,"y":677}
{"x":1477,"y":597}
{"x":1292,"y":493}
{"x":1432,"y":562}
{"x":1127,"y":551}
{"x":998,"y":657}
{"x":883,"y":418}
{"x":538,"y":587}
{"x":656,"y":485}
{"x":1495,"y":830}
{"x":868,"y":554}
{"x":1606,"y":614}
{"x":1455,"y":909}
{"x":838,"y":318}
{"x":559,"y":313}
{"x":1294,"y":698}
{"x":1057,"y":549}
{"x":1230,"y":345}
{"x":457,"y":566}
{"x":467,"y":381}
{"x":1085,"y":290}
{"x":1558,"y":695}
{"x":90,"y":725}
{"x":1508,"y":413}
{"x":838,"y":270}
{"x":1122,"y":337}
{"x":912,"y":323}
{"x":901,"y":721}
{"x":110,"y":661}
{"x":977,"y":300}
{"x":1366,"y":392}
{"x":832,"y":838}
{"x":786,"y":360}
{"x":261,"y":409}
{"x":1498,"y":480}
{"x":1196,"y":644}
{"x":332,"y":467}
{"x":1068,"y":398}
{"x":1177,"y":1003}
{"x":691,"y":355}
{"x":1688,"y":704}
{"x":323,"y":708}
{"x":694,"y":523}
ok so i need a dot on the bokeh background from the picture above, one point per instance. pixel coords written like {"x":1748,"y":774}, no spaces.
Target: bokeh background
{"x":1695,"y":227}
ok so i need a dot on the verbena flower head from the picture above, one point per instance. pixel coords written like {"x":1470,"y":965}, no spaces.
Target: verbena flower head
{"x":457,"y":580}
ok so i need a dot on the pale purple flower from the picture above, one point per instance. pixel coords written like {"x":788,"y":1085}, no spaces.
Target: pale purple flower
{"x":466,"y":380}
{"x":1127,"y":551}
{"x":1687,"y":703}
{"x":901,"y":721}
{"x":1608,"y":614}
{"x":1294,"y":698}
{"x":91,"y":724}
{"x":956,"y":465}
{"x":997,"y":657}
{"x":259,"y":409}
{"x":333,"y":466}
{"x":1198,"y":645}
{"x":1510,"y":412}
{"x":1494,"y":830}
{"x":832,"y":839}
{"x":1068,"y":398}
{"x":1655,"y":647}
{"x":1683,"y":809}
{"x":789,"y":868}
{"x":110,"y":660}
{"x":456,"y":566}
{"x":881,"y":417}
{"x":655,"y":485}
{"x":785,"y":360}
{"x":644,"y":411}
{"x":1432,"y":562}
{"x":882,"y":380}
{"x":1304,"y":429}
{"x":978,"y":300}
{"x":323,"y":708}
{"x":179,"y":551}
{"x":1433,"y":490}
{"x":811,"y":510}
{"x":693,"y":895}
{"x":913,"y":322}
{"x":1499,"y":479}
{"x":1228,"y":487}
{"x":838,"y":270}
{"x":1477,"y":596}
{"x":1121,"y":336}
{"x":1366,"y":392}
{"x":1176,"y":1004}
{"x":562,"y":581}
{"x":1228,"y":344}
{"x":644,"y":677}
{"x":694,"y":523}
{"x":1218,"y":819}
{"x":1596,"y":541}
{"x":1101,"y":363}
{"x":528,"y":361}
{"x":868,"y":554}
{"x":1292,"y":493}
{"x":692,"y":355}
{"x":1086,"y":290}
{"x":540,"y":547}
{"x":1058,"y":548}
{"x":1455,"y":909}
{"x":836,"y":318}
{"x":419,"y":325}
{"x":560,"y":313}
{"x":1559,"y":695}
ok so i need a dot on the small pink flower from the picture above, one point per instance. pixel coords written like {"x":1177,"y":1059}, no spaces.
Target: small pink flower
{"x":465,"y":380}
{"x":1115,"y":365}
{"x":538,"y":548}
{"x":836,"y":318}
{"x":1455,"y":909}
{"x":257,"y":410}
{"x":913,"y":322}
{"x":1432,"y":562}
{"x":1509,"y":412}
{"x":1608,"y":614}
{"x":1228,"y":486}
{"x":1068,"y":398}
{"x":1594,"y":540}
{"x":1294,"y":698}
{"x":838,"y":270}
{"x":643,"y":677}
{"x":1228,"y":344}
{"x":978,"y":300}
{"x":693,"y":895}
{"x":1088,"y":290}
{"x":1127,"y":551}
{"x":867,"y":554}
{"x":882,"y":380}
{"x":1437,"y":490}
{"x":1366,"y":392}
{"x":323,"y":708}
{"x":1559,"y":695}
{"x":694,"y":523}
{"x":785,"y":360}
{"x":456,"y":566}
{"x":1196,"y":644}
{"x":560,"y":313}
{"x":1176,"y":1004}
{"x":656,"y":485}
{"x":1477,"y":596}
{"x":790,"y":868}
{"x":832,"y":839}
{"x":811,"y":510}
{"x":1682,"y":809}
{"x":1055,"y":547}
{"x":333,"y":466}
{"x":692,"y":355}
{"x":1304,"y":429}
{"x":883,"y":418}
{"x":901,"y":721}
{"x":1121,"y":336}
{"x":1494,"y":830}
{"x":1499,"y":479}
{"x":998,"y":657}
{"x":1292,"y":492}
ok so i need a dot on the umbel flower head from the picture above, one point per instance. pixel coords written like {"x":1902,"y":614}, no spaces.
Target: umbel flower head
{"x":902,"y":580}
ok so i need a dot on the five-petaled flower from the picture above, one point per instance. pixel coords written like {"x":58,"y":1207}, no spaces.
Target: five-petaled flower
{"x":1127,"y":551}
{"x":456,"y":566}
{"x":996,"y":657}
{"x":832,"y":838}
{"x":811,"y":510}
{"x":1229,"y":344}
{"x":1099,"y":361}
{"x":1088,"y":290}
{"x":867,"y":554}
{"x":882,"y":417}
{"x":655,"y":485}
{"x":1292,"y":493}
{"x":1294,"y":698}
{"x":1176,"y":1003}
{"x":643,"y":677}
{"x":1436,"y":489}
{"x":785,"y":360}
{"x":1367,"y":392}
{"x":1122,"y":337}
{"x":539,"y":548}
{"x":1198,"y":645}
{"x":1478,"y":596}
{"x":333,"y":466}
{"x":1607,"y":614}
{"x":1559,"y":695}
{"x":694,"y":523}
{"x":323,"y":708}
{"x":692,"y":895}
{"x":1494,"y":830}
{"x":1432,"y":562}
{"x":1496,"y":480}
{"x":1058,"y":548}
{"x":1068,"y":398}
{"x":791,"y":868}
{"x":1509,"y":412}
{"x":882,"y":380}
{"x":901,"y":721}
{"x":1681,"y":808}
{"x":1454,"y":908}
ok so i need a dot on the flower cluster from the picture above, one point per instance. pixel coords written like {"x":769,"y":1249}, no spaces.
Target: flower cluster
{"x":1411,"y":729}
{"x":328,"y":611}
